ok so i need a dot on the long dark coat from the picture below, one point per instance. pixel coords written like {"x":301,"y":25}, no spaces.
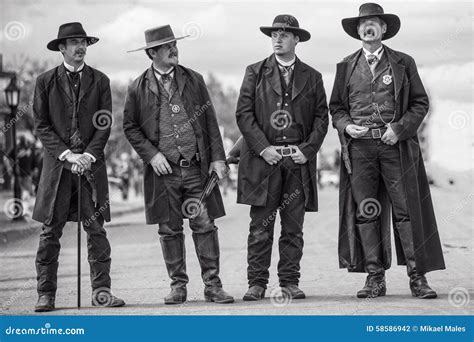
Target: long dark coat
{"x":260,"y":96}
{"x":140,"y":123}
{"x":411,"y":107}
{"x":53,"y":109}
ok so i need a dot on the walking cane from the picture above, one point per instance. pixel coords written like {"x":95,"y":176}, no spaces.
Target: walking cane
{"x":79,"y":241}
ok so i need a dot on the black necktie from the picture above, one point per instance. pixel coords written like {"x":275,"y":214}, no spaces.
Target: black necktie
{"x":166,"y":77}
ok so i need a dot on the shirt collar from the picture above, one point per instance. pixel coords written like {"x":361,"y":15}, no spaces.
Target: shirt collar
{"x":378,"y":52}
{"x":71,"y":68}
{"x":158,"y":73}
{"x":286,"y":64}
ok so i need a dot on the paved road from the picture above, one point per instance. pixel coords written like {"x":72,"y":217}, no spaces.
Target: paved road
{"x":139,"y":275}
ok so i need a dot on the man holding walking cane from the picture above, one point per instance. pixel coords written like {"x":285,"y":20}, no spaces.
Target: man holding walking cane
{"x":72,"y":110}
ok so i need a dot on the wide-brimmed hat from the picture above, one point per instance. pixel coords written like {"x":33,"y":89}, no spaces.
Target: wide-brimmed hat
{"x":70,"y":30}
{"x":370,"y":10}
{"x":158,"y":36}
{"x":288,"y":23}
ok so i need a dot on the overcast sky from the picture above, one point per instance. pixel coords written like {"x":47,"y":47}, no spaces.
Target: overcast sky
{"x":225,"y":37}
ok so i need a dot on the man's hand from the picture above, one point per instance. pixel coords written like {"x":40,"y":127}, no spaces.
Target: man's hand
{"x":298,"y":157}
{"x":271,"y":156}
{"x":356,"y":131}
{"x":160,"y":164}
{"x":79,"y":159}
{"x":219,"y":167}
{"x":389,"y":137}
{"x":77,"y":170}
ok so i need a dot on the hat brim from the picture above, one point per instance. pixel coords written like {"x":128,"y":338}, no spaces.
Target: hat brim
{"x":158,"y":43}
{"x":54,"y":44}
{"x":393,"y":25}
{"x":303,"y":34}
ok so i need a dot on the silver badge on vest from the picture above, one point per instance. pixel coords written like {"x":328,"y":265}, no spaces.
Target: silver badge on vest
{"x":387,"y":79}
{"x":175,"y":109}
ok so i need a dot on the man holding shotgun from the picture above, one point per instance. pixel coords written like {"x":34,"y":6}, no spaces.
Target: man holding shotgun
{"x":72,"y":110}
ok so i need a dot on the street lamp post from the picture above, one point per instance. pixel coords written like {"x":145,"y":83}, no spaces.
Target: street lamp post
{"x":12,"y":94}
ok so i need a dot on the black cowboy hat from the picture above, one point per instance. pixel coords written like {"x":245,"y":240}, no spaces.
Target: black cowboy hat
{"x":288,"y":23}
{"x":159,"y":36}
{"x":372,"y":10}
{"x":70,"y":30}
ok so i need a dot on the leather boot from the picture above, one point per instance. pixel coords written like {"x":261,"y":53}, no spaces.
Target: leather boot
{"x":418,"y":284}
{"x":207,"y":250}
{"x":174,"y":254}
{"x":45,"y":303}
{"x":47,"y":276}
{"x":372,"y":248}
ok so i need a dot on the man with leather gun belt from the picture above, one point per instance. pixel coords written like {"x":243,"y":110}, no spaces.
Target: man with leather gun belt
{"x":283,"y":117}
{"x":377,"y":104}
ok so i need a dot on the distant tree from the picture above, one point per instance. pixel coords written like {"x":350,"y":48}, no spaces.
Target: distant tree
{"x":225,"y":102}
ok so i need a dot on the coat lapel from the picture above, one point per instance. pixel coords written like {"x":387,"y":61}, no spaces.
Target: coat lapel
{"x":181,"y":79}
{"x":63,"y":81}
{"x":300,"y":77}
{"x":152,"y":82}
{"x":350,"y":66}
{"x":86,"y":82}
{"x":272,"y":74}
{"x":398,"y":70}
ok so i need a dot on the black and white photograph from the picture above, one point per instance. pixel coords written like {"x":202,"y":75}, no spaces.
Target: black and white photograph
{"x":253,"y":170}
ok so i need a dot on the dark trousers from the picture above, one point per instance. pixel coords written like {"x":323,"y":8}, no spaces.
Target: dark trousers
{"x":184,"y":188}
{"x":286,"y":196}
{"x":374,"y":162}
{"x":98,"y":246}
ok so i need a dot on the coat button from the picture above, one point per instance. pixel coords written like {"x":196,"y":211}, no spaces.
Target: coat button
{"x":278,"y":104}
{"x":286,"y":104}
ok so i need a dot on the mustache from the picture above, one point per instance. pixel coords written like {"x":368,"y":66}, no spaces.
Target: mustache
{"x":173,"y":54}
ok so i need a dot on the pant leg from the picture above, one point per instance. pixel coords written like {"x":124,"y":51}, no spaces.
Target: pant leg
{"x":365,"y":178}
{"x":393,"y":177}
{"x":98,"y":246}
{"x":171,"y":232}
{"x":292,"y":210}
{"x":49,"y":246}
{"x":260,"y":239}
{"x":204,"y":231}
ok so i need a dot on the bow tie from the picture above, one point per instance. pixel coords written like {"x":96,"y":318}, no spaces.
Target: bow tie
{"x":165,"y":77}
{"x":372,"y":59}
